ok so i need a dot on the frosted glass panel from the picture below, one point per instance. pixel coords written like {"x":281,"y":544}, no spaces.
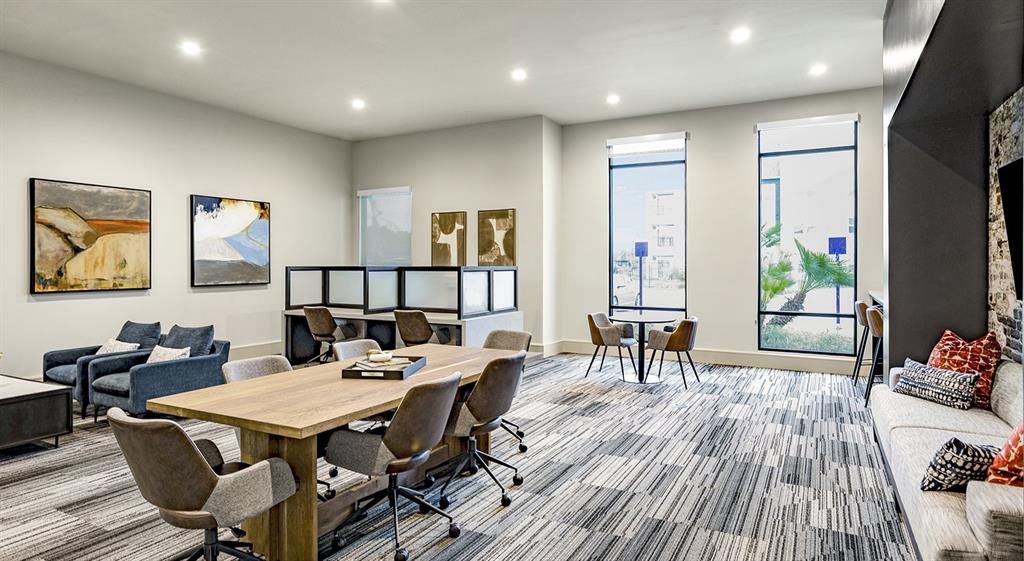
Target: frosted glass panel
{"x":385,"y":228}
{"x":306,"y":288}
{"x":504,"y":290}
{"x":346,"y":287}
{"x":474,"y":292}
{"x":383,"y":289}
{"x":429,"y":289}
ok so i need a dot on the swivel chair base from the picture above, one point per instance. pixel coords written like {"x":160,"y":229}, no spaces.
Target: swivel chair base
{"x":474,"y":458}
{"x":212,"y":547}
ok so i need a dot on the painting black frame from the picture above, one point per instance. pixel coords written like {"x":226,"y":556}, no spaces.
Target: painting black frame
{"x":192,"y":245}
{"x":32,"y":238}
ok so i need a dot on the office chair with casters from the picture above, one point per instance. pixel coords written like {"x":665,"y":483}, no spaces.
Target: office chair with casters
{"x":680,"y":340}
{"x":354,"y":349}
{"x":510,"y":341}
{"x":322,"y":327}
{"x":251,"y":368}
{"x":414,"y":329}
{"x":192,"y":486}
{"x":418,"y":425}
{"x":604,"y":333}
{"x":480,"y":414}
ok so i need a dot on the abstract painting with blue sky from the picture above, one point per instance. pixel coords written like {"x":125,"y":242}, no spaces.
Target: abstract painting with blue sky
{"x":230,"y":241}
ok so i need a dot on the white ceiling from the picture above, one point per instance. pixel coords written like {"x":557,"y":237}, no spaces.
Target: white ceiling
{"x":435,"y":63}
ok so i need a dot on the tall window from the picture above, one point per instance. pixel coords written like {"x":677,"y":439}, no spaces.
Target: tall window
{"x":808,"y":234}
{"x":647,"y":228}
{"x":385,"y":226}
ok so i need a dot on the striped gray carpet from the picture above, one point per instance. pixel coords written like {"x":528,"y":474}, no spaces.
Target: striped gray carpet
{"x":750,"y":464}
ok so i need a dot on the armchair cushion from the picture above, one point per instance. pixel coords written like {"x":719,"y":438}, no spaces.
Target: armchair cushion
{"x":116,"y":346}
{"x":114,"y":384}
{"x":65,"y":374}
{"x":66,"y":356}
{"x":161,"y":354}
{"x":198,"y":339}
{"x":145,"y":334}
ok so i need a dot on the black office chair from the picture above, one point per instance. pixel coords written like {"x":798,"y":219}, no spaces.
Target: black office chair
{"x":506,"y":340}
{"x":415,"y":329}
{"x":322,"y":327}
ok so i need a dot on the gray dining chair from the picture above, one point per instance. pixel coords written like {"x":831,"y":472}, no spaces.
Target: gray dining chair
{"x":507,"y":340}
{"x":354,"y":349}
{"x":681,"y":340}
{"x":604,"y":334}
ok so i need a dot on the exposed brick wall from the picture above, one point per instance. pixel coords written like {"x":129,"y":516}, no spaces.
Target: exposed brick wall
{"x":1006,"y":143}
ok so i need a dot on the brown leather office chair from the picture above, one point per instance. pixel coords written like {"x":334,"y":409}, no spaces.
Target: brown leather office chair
{"x":604,"y":333}
{"x":417,"y":427}
{"x":193,"y":487}
{"x":681,"y":340}
{"x":876,"y":326}
{"x":507,"y":340}
{"x":322,"y":327}
{"x":414,"y":329}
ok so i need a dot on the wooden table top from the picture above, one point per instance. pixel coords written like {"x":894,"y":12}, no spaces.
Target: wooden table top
{"x":317,"y":399}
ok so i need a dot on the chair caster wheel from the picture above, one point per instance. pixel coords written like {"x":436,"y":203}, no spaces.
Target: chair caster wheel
{"x":523,"y":448}
{"x":506,"y":500}
{"x":424,"y":510}
{"x":429,"y":480}
{"x":444,"y":502}
{"x":330,"y":493}
{"x":238,"y":533}
{"x":517,"y":479}
{"x":454,"y":530}
{"x":402,"y":555}
{"x":333,"y":472}
{"x":520,"y":434}
{"x":338,"y":542}
{"x":473,"y":470}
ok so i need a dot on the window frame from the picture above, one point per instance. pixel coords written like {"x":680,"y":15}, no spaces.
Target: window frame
{"x":611,"y":221}
{"x":761,"y":314}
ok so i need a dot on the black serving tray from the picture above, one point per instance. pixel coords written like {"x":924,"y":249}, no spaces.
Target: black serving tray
{"x":360,"y":373}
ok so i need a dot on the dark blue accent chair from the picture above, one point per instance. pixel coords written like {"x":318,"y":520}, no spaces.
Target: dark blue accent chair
{"x":127,"y":381}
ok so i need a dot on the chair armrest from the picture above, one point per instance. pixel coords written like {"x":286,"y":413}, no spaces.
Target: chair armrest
{"x":66,"y":356}
{"x":658,"y":340}
{"x":894,"y":376}
{"x":210,"y":452}
{"x":610,"y":335}
{"x":169,"y":377}
{"x":251,"y":491}
{"x":119,"y":362}
{"x":625,"y":330}
{"x":995,"y":513}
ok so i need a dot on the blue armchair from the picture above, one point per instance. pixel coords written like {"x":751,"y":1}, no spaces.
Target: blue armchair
{"x":127,"y":381}
{"x":70,"y":367}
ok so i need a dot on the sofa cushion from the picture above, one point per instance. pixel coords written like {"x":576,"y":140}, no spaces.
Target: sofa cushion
{"x":938,"y":519}
{"x":114,"y":384}
{"x":996,"y":514}
{"x":115,"y":346}
{"x":891,"y":410}
{"x":1008,"y":393}
{"x":952,"y":389}
{"x":198,"y":339}
{"x":65,"y":374}
{"x":956,"y":464}
{"x":145,"y":334}
{"x":1008,"y":466}
{"x":163,"y":354}
{"x":980,"y":356}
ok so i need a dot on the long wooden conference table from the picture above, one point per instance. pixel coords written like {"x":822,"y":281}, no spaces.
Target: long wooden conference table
{"x":282,"y":414}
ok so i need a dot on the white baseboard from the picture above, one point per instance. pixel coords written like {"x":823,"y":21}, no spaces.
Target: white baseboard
{"x":757,"y":359}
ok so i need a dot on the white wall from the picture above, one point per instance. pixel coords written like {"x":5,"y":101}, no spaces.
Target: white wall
{"x":722,"y":218}
{"x":551,"y":162}
{"x":477,"y":167}
{"x":61,"y":124}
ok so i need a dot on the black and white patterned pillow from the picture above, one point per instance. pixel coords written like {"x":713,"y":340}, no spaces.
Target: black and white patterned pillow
{"x":956,"y":463}
{"x":945,"y":387}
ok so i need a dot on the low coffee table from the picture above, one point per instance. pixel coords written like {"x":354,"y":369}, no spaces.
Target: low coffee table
{"x":31,"y":411}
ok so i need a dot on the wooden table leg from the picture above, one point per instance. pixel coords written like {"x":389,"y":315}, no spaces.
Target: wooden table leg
{"x":288,"y":532}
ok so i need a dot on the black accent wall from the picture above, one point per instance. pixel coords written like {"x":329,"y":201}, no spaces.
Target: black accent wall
{"x":936,"y":191}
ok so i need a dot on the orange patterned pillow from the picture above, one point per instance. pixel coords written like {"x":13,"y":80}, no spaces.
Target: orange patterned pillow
{"x":1008,"y":467}
{"x":981,"y":356}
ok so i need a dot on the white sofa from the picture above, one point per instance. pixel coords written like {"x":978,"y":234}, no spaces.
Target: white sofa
{"x":987,"y":522}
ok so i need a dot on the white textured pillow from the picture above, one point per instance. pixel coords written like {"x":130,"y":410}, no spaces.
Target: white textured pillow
{"x":161,"y":354}
{"x":115,"y":346}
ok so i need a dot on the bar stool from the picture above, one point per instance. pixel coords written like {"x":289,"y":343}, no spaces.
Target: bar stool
{"x":875,"y":325}
{"x":860,"y":308}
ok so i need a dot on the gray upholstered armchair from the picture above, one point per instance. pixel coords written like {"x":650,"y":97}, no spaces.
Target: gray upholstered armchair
{"x":128,"y":381}
{"x":70,"y":367}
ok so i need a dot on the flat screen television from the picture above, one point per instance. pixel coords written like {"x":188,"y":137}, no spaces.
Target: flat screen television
{"x":1011,"y":186}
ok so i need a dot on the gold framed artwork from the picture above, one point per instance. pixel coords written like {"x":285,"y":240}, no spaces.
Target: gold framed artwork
{"x":448,"y":239}
{"x":496,"y":237}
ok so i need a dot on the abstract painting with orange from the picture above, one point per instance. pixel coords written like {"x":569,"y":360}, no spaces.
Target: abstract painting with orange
{"x":89,"y":237}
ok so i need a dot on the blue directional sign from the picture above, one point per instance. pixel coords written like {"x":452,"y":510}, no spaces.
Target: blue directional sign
{"x":837,"y":246}
{"x":641,"y":249}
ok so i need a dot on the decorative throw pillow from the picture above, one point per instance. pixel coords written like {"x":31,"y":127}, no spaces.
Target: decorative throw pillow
{"x":1008,"y":467}
{"x":160,"y":354}
{"x":982,"y":355}
{"x":115,"y":346}
{"x":198,"y":339}
{"x":955,"y":464}
{"x":944,"y":387}
{"x":145,"y":334}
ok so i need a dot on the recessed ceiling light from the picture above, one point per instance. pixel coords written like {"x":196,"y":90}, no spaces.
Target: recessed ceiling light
{"x":740,"y":35}
{"x":613,"y":99}
{"x":518,"y":74}
{"x":817,"y":69}
{"x":191,"y":48}
{"x":358,"y":104}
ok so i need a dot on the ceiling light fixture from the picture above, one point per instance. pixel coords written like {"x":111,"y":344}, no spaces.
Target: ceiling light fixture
{"x":817,"y":69}
{"x":518,"y":74}
{"x":358,"y":104}
{"x":740,"y":35}
{"x":191,"y":48}
{"x":613,"y":99}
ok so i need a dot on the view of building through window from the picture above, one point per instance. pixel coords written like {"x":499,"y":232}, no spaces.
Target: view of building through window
{"x":808,"y":244}
{"x":385,"y":226}
{"x":647,"y":183}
